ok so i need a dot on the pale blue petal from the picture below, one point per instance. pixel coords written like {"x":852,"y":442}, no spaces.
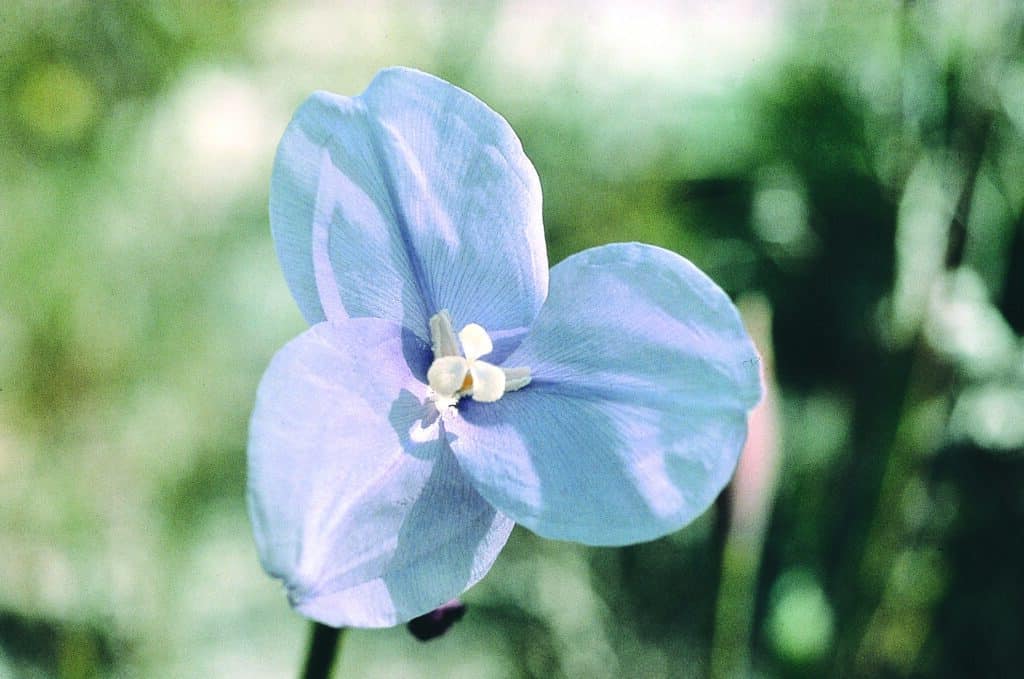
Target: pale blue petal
{"x":633,"y":423}
{"x":362,"y":513}
{"x":423,"y":199}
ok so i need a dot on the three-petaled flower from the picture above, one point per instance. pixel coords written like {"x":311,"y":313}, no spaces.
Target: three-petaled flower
{"x":390,"y":455}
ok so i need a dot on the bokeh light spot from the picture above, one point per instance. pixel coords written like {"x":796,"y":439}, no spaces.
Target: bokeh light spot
{"x":57,"y":102}
{"x":800,"y":622}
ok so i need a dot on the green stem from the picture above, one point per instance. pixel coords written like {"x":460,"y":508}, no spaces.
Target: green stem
{"x":323,"y":649}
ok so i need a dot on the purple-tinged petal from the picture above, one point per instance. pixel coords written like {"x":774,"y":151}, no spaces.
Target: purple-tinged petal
{"x":413,"y":197}
{"x":356,"y":503}
{"x":637,"y":411}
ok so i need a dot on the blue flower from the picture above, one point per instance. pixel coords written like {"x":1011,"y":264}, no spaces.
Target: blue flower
{"x":450,"y":385}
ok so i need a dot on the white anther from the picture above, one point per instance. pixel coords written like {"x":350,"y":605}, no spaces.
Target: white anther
{"x":475,"y":342}
{"x":488,"y":381}
{"x":442,"y":335}
{"x":447,"y":374}
{"x":516,"y":378}
{"x":455,"y":374}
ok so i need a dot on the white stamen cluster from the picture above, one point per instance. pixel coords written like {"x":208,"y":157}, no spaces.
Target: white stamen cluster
{"x":456,"y":373}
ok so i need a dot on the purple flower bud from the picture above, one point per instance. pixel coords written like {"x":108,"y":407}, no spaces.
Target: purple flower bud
{"x":438,"y":621}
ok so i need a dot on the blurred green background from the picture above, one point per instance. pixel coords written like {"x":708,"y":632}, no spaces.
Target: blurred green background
{"x":853,"y":172}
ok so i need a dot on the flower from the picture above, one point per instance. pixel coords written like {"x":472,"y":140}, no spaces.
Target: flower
{"x":387,"y":461}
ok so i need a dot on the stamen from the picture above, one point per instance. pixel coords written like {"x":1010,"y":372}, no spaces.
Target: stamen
{"x":442,"y":335}
{"x":454,"y":373}
{"x":488,"y":382}
{"x":475,"y":342}
{"x":447,"y":374}
{"x":516,"y":378}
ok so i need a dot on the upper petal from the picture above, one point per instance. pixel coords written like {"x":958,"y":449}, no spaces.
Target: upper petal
{"x":412,"y":197}
{"x":637,"y":411}
{"x":356,"y":502}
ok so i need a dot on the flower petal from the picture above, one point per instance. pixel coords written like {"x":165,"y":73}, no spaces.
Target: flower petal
{"x":637,"y":410}
{"x":421,"y":197}
{"x":356,"y":502}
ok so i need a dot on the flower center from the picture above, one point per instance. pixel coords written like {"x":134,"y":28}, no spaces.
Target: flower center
{"x":458,"y":372}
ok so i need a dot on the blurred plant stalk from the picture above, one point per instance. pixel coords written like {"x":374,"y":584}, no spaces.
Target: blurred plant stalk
{"x":751,"y":494}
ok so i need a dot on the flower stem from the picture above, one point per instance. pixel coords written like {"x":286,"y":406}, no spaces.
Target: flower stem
{"x":323,"y":649}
